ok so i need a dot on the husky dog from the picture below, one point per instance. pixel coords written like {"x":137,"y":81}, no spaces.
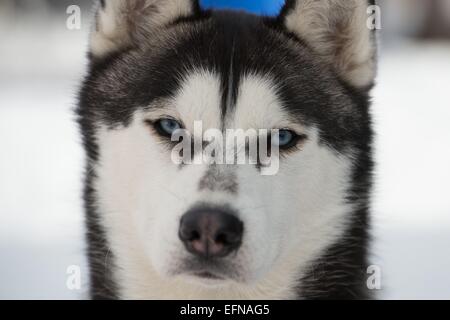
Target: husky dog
{"x":160,"y":230}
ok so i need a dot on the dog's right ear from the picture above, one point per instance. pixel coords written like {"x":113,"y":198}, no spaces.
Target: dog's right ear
{"x":121,"y":24}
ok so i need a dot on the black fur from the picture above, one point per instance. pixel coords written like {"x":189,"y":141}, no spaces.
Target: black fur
{"x":234,"y":44}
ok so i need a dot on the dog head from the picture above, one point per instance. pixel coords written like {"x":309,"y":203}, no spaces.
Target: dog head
{"x":158,"y":67}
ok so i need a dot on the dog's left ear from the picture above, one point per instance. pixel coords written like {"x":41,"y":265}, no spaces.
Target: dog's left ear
{"x":121,"y":24}
{"x":337,"y":30}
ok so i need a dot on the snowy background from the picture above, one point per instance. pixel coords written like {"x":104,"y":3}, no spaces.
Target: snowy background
{"x":41,"y":219}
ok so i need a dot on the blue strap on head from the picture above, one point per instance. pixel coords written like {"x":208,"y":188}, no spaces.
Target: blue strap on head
{"x":264,"y":7}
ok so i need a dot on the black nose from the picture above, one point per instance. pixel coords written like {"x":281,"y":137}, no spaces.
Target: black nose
{"x":211,"y":232}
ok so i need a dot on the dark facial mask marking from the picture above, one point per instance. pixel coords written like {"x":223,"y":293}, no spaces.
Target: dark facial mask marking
{"x":219,"y":178}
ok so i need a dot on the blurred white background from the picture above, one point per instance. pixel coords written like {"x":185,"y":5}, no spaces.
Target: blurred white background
{"x":41,"y":161}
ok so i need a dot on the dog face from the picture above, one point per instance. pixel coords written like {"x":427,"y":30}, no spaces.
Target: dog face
{"x":163,"y":66}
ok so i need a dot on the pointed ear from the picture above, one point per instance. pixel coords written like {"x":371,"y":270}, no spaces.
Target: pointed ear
{"x":124,"y":23}
{"x":338,"y":31}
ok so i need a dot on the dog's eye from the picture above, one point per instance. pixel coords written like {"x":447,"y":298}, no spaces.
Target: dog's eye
{"x":285,"y":139}
{"x":167,"y":127}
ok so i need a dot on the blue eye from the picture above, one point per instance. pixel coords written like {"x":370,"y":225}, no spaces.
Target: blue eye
{"x":286,"y":138}
{"x":167,"y":127}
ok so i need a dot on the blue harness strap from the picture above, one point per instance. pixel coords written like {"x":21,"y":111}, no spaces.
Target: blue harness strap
{"x":265,"y":7}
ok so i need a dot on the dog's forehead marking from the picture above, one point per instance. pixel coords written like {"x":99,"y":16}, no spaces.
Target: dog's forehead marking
{"x":257,"y":105}
{"x":199,"y":99}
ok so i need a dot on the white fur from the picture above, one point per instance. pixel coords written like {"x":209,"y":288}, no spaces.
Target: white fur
{"x":289,"y":218}
{"x":337,"y":30}
{"x":122,"y":22}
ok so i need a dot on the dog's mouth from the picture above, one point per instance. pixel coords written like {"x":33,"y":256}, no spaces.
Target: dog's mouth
{"x":207,"y":275}
{"x":207,"y":271}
